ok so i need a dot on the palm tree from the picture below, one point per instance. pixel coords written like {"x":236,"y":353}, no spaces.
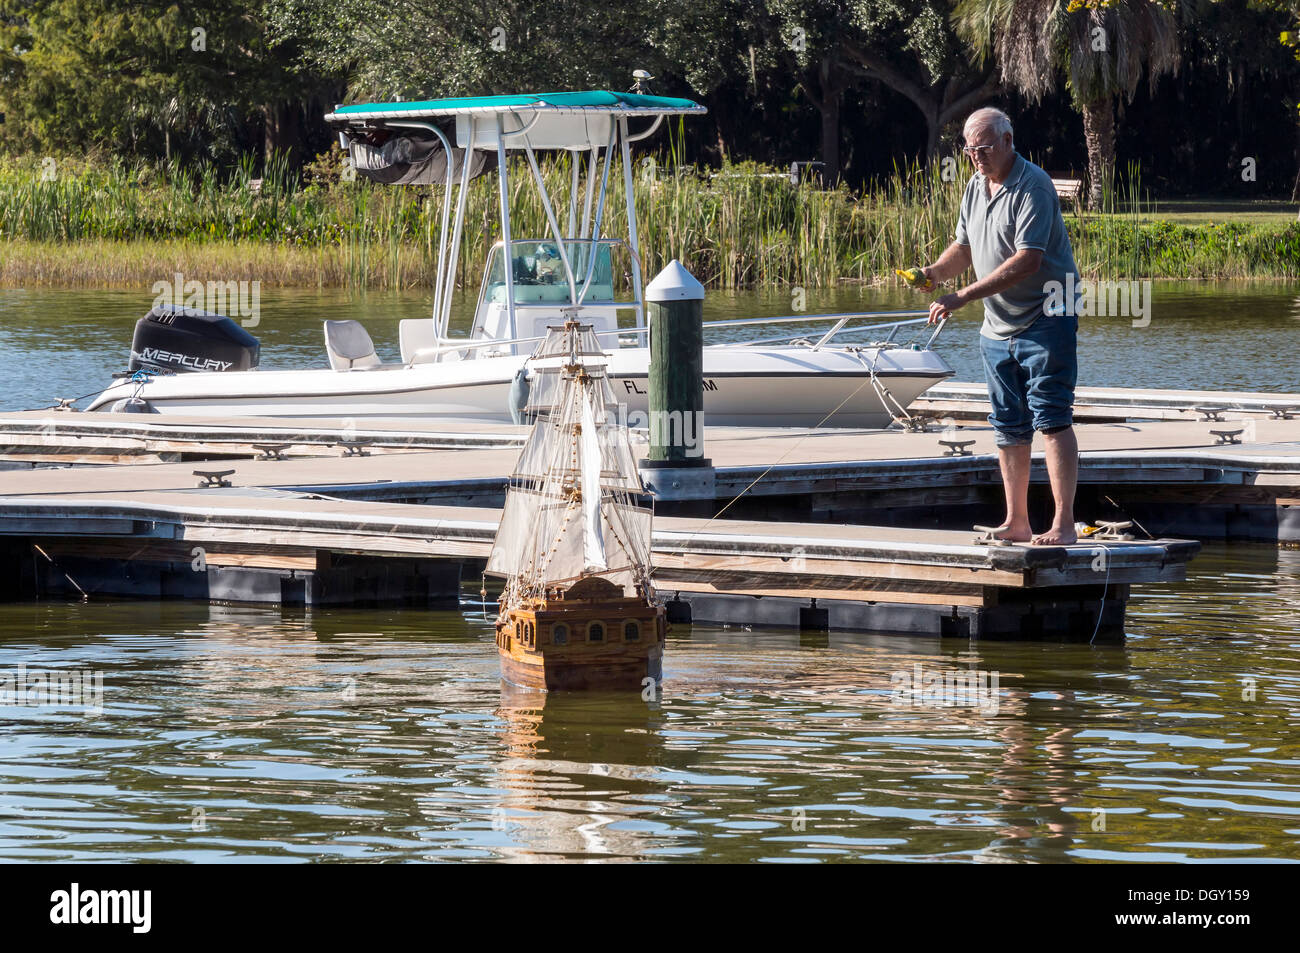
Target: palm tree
{"x":1102,"y":46}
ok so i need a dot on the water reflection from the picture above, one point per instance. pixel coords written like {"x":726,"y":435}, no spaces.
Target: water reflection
{"x":579,"y":776}
{"x":299,"y":735}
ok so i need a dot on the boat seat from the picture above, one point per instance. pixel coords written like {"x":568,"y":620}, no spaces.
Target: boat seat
{"x":414,"y":335}
{"x":349,"y":346}
{"x":418,"y":340}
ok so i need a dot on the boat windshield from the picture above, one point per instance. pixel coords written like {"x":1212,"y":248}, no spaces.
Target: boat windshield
{"x":539,"y":271}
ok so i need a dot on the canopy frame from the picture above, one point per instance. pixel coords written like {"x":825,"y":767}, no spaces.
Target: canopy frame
{"x":527,"y":112}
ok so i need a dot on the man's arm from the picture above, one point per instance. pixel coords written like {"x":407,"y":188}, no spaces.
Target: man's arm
{"x":1015,"y":269}
{"x":954,"y":260}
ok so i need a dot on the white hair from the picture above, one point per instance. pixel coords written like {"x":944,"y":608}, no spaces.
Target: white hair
{"x":994,"y":119}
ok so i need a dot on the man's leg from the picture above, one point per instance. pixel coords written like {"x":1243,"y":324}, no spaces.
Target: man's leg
{"x":1015,"y":461}
{"x":1050,"y":358}
{"x":1063,"y":470}
{"x":1012,"y":420}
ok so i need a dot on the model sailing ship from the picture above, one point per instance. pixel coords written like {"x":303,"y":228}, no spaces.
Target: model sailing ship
{"x":578,"y":609}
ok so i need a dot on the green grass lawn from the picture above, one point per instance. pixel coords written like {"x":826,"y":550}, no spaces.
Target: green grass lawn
{"x":1203,"y":211}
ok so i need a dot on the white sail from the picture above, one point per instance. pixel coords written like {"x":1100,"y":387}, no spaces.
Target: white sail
{"x":571,"y":508}
{"x":518,"y":522}
{"x":593,"y":539}
{"x":538,"y":450}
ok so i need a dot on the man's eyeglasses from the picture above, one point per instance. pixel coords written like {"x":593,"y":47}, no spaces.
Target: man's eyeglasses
{"x":976,"y":151}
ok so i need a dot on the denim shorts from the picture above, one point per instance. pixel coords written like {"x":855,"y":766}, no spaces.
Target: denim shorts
{"x":1031,"y":378}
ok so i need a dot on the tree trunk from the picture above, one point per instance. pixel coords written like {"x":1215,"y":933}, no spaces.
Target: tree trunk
{"x":827,"y":100}
{"x":933,"y":130}
{"x":831,"y":137}
{"x":832,"y":92}
{"x":1295,"y":189}
{"x":1241,"y":106}
{"x":941,"y":102}
{"x":283,"y":129}
{"x":1099,"y":134}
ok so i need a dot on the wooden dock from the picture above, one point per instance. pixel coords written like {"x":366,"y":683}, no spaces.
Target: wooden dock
{"x":243,"y":544}
{"x":403,"y":512}
{"x":56,"y":436}
{"x":1110,"y":404}
{"x":864,"y":529}
{"x":1175,"y":477}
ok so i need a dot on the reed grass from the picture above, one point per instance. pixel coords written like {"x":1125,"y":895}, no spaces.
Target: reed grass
{"x":139,"y":263}
{"x":746,"y":225}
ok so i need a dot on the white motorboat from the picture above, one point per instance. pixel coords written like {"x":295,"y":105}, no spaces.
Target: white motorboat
{"x":846,"y":370}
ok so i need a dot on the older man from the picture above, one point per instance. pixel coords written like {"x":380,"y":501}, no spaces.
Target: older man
{"x":1012,"y":232}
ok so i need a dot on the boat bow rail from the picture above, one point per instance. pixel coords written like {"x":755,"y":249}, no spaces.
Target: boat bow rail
{"x":840,"y":325}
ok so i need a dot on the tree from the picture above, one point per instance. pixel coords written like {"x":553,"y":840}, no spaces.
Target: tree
{"x":144,"y":76}
{"x":811,"y":35}
{"x":907,"y":45}
{"x":412,"y":49}
{"x":1104,"y":47}
{"x":1290,"y":38}
{"x":402,"y":48}
{"x":912,"y":50}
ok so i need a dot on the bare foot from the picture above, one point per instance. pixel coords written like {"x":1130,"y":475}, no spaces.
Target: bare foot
{"x":1014,"y":533}
{"x":1057,"y":536}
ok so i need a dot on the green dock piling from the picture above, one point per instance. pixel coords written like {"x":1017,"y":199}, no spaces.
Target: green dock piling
{"x":676,"y":466}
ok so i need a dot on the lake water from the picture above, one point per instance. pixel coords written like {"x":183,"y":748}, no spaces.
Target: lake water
{"x":239,"y":733}
{"x":1219,"y":335}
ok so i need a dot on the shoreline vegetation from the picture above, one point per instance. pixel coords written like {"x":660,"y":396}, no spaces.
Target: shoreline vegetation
{"x":80,"y":223}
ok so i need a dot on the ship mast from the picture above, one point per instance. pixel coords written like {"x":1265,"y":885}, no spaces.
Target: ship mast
{"x":572,"y":505}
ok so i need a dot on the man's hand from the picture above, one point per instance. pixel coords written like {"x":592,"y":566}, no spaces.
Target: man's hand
{"x":941,"y":308}
{"x":915,"y":278}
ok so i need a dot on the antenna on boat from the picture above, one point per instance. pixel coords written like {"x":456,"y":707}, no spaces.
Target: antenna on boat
{"x":641,"y":82}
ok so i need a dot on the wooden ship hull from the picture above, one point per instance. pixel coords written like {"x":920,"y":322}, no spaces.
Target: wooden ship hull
{"x":574,"y":644}
{"x":578,"y":610}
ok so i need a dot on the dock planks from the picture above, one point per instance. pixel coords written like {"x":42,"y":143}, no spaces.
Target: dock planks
{"x":87,"y":537}
{"x":318,"y":511}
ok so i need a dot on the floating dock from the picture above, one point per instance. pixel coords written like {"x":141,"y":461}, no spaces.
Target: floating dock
{"x":257,"y":545}
{"x":69,"y":437}
{"x":833,"y":529}
{"x":1234,"y":477}
{"x":1101,"y":404}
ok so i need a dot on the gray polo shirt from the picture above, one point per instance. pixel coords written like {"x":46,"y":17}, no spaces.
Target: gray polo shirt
{"x":1024,"y":213}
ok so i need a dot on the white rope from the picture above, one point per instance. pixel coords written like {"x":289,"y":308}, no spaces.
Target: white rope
{"x":771,"y":467}
{"x":882,"y":392}
{"x":1104,"y":589}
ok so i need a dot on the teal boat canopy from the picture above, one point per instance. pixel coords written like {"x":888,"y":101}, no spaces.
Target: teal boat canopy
{"x":590,"y":101}
{"x":451,"y":141}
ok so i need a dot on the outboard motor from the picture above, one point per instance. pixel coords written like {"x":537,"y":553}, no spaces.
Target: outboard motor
{"x":182,"y":340}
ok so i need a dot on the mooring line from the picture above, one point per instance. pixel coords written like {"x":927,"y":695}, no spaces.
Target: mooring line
{"x":769,"y":469}
{"x":1104,"y":589}
{"x":1127,"y":516}
{"x":50,"y":559}
{"x":134,"y":378}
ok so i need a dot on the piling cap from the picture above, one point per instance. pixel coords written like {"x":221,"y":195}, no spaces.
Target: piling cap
{"x":674,"y":283}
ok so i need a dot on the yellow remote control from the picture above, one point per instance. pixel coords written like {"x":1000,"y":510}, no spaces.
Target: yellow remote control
{"x":915,"y":277}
